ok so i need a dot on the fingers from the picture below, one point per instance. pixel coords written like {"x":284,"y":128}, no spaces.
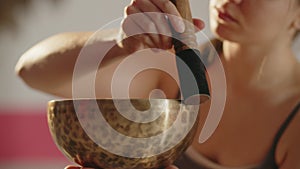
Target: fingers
{"x":199,"y":24}
{"x":141,"y":24}
{"x":168,"y":7}
{"x":75,"y":167}
{"x":162,"y":6}
{"x":172,"y":167}
{"x":148,"y":21}
{"x":151,"y":21}
{"x":159,"y":20}
{"x":237,"y":1}
{"x":72,"y":167}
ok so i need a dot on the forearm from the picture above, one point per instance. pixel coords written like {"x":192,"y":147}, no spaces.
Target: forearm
{"x":49,"y":65}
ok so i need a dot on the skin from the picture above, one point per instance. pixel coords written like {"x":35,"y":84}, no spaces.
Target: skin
{"x":262,"y":73}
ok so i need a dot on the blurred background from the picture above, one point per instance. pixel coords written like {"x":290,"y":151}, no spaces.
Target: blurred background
{"x":25,"y":140}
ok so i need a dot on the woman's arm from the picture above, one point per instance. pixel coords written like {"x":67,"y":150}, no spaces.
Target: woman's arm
{"x":75,"y":167}
{"x":48,"y":66}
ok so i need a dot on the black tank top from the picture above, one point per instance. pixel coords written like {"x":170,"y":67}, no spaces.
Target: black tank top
{"x":269,"y":163}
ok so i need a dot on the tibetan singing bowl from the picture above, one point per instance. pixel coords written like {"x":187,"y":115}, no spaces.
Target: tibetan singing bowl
{"x":122,"y":133}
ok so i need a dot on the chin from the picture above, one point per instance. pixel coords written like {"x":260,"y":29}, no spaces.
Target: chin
{"x":224,"y":34}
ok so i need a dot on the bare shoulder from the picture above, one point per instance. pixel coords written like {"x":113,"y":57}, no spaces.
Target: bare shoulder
{"x":77,"y":39}
{"x":66,"y":41}
{"x":57,"y":55}
{"x":289,"y":149}
{"x":60,"y":44}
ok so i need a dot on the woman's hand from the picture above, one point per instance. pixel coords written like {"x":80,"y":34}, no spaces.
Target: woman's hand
{"x":76,"y":167}
{"x":147,"y":24}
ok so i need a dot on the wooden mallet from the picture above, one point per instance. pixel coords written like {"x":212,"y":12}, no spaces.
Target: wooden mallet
{"x":192,"y":72}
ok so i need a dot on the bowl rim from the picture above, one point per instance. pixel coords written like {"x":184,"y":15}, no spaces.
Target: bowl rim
{"x":106,"y":99}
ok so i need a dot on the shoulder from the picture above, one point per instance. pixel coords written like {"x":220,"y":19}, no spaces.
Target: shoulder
{"x":58,"y":43}
{"x":289,"y":150}
{"x":79,"y":38}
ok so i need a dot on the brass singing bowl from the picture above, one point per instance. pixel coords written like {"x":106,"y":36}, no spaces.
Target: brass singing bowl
{"x":122,"y":133}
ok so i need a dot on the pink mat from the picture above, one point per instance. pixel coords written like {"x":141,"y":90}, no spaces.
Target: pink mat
{"x":25,"y":136}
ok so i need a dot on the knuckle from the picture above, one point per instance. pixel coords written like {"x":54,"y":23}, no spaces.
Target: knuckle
{"x":169,"y":43}
{"x":129,"y":9}
{"x":157,"y":17}
{"x":139,"y":2}
{"x":150,"y":28}
{"x":166,"y":43}
{"x":126,"y":27}
{"x":165,"y":4}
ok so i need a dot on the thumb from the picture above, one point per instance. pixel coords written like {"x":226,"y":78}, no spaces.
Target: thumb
{"x":199,"y":24}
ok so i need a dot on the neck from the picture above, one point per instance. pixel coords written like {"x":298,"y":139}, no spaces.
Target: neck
{"x":258,"y":66}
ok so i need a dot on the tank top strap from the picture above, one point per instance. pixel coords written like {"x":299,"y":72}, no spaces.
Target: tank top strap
{"x":270,"y":162}
{"x":285,"y":124}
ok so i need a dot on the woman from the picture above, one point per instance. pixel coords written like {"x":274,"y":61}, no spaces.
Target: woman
{"x":259,"y":126}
